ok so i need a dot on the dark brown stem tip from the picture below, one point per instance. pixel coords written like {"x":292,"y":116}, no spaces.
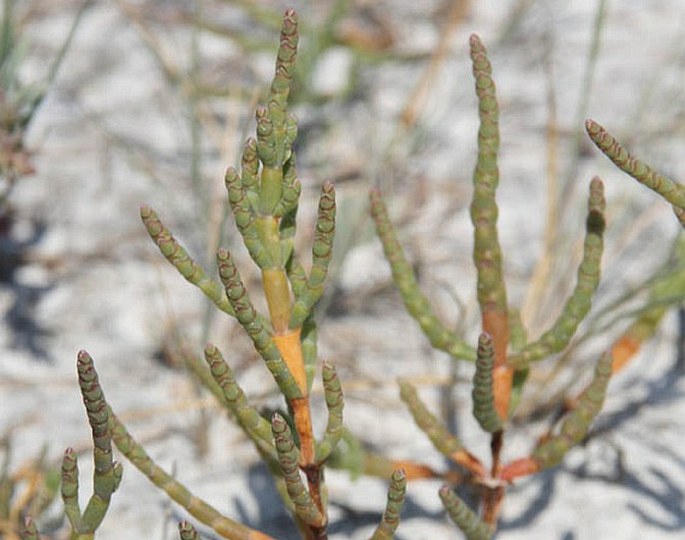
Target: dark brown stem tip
{"x":291,"y":14}
{"x":484,"y":338}
{"x":592,"y":127}
{"x":83,"y":359}
{"x":261,"y":112}
{"x":399,"y":475}
{"x":328,"y":186}
{"x":475,"y":42}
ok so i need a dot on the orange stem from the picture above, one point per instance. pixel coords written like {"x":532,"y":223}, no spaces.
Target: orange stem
{"x":496,"y":324}
{"x":623,"y":350}
{"x":289,"y":344}
{"x":469,"y":462}
{"x":277,"y":292}
{"x":519,"y":467}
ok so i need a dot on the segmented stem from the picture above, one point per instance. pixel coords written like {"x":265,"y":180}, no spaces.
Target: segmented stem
{"x":322,"y":252}
{"x":465,"y":518}
{"x":179,"y":258}
{"x":670,"y":190}
{"x":579,"y":303}
{"x":334,"y":403}
{"x":288,"y":456}
{"x":309,"y":349}
{"x":391,"y":517}
{"x":418,"y":306}
{"x":69,"y":488}
{"x":196,"y":507}
{"x":247,"y":316}
{"x":245,"y":218}
{"x":576,"y":424}
{"x":482,"y":394}
{"x":255,"y":426}
{"x":106,"y":473}
{"x":446,"y":443}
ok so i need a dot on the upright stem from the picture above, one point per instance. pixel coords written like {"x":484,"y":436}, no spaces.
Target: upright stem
{"x":289,"y":343}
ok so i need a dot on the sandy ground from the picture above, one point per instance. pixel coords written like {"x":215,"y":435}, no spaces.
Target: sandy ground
{"x":114,"y":133}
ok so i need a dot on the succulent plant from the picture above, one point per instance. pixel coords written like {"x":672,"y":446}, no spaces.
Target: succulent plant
{"x":263,"y":195}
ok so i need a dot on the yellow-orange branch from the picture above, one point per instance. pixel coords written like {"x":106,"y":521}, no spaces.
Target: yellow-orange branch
{"x":496,"y":324}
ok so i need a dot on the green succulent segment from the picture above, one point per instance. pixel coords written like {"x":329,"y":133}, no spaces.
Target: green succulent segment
{"x":482,"y":393}
{"x":446,"y":443}
{"x":106,"y":474}
{"x":576,"y":423}
{"x":250,"y":172}
{"x":245,"y":219}
{"x":416,"y":303}
{"x":670,"y":190}
{"x":69,"y":487}
{"x":334,"y":403}
{"x":578,"y":305}
{"x":277,"y":131}
{"x":199,"y":509}
{"x":288,"y":456}
{"x":391,"y":517}
{"x":179,"y":258}
{"x":517,"y":339}
{"x":517,"y":332}
{"x":29,"y":530}
{"x":249,"y":419}
{"x":492,"y":295}
{"x":253,"y":325}
{"x":309,"y":349}
{"x":199,"y":369}
{"x":187,"y":532}
{"x":465,"y":518}
{"x":308,"y":293}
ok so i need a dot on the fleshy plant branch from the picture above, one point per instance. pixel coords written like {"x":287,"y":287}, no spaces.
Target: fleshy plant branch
{"x":106,"y":474}
{"x":578,"y":305}
{"x":670,"y":190}
{"x":418,"y":306}
{"x":391,"y":517}
{"x":487,"y":254}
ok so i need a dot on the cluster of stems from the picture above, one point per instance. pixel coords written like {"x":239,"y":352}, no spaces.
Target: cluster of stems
{"x":106,"y":472}
{"x":263,"y":195}
{"x":503,"y":357}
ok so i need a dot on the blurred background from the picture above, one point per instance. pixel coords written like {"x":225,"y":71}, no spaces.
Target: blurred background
{"x":105,"y":106}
